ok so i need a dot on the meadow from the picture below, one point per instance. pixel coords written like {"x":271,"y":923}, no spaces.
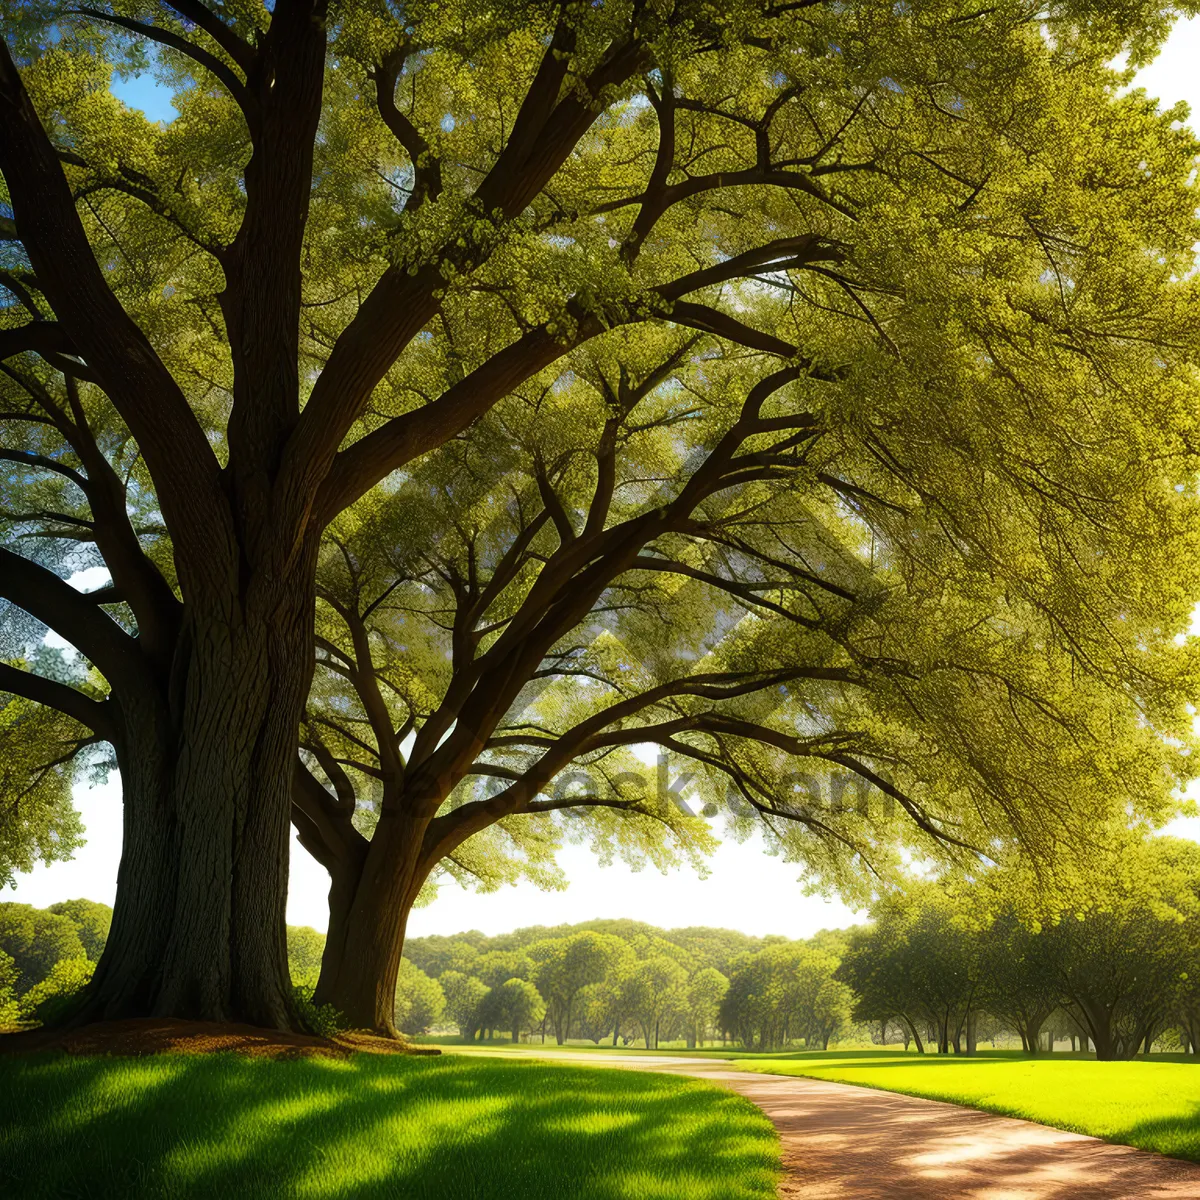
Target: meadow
{"x":193,"y":1127}
{"x":1150,"y":1103}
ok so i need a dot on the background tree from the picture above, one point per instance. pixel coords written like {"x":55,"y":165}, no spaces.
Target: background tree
{"x":436,"y":954}
{"x":305,"y":947}
{"x":91,"y":920}
{"x":1020,"y":984}
{"x":9,"y":1009}
{"x":227,"y":332}
{"x":1122,"y":962}
{"x":514,"y":1006}
{"x":785,"y":992}
{"x":420,"y":1001}
{"x":654,"y":994}
{"x":464,"y":994}
{"x":823,"y":1003}
{"x":874,"y":967}
{"x":38,"y":748}
{"x":705,"y":991}
{"x":563,"y":967}
{"x":36,"y":940}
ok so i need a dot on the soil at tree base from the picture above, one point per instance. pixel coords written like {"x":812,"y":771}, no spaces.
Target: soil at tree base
{"x":152,"y":1035}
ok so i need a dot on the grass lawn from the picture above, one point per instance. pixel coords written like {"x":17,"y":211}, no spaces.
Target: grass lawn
{"x":1154,"y":1105}
{"x":455,"y":1128}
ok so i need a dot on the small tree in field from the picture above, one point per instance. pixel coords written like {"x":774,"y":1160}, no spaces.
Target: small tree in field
{"x":456,"y":393}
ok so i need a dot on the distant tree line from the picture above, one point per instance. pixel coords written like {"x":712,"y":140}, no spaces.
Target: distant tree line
{"x":619,"y":981}
{"x":1117,"y":974}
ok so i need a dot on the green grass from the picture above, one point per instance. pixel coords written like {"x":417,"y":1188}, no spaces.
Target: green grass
{"x":1151,"y":1104}
{"x":458,"y":1045}
{"x":456,"y":1128}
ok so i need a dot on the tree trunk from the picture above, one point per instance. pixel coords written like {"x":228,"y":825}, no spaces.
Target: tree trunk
{"x":198,"y":928}
{"x":358,"y":973}
{"x":916,"y":1037}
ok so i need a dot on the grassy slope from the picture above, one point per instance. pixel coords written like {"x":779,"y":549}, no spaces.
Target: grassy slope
{"x":1154,"y":1105}
{"x":425,"y":1129}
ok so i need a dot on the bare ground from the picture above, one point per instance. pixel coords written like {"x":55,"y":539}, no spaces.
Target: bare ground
{"x":169,"y":1036}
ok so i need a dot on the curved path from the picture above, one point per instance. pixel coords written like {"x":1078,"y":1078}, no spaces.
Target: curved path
{"x":842,"y":1142}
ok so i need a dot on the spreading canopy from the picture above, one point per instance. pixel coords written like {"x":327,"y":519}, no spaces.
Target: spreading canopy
{"x":778,"y":383}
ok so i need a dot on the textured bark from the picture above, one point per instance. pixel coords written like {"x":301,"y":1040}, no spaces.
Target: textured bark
{"x":199,"y":925}
{"x":366,"y":935}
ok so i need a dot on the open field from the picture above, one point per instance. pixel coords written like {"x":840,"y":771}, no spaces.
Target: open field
{"x":372,"y":1126}
{"x":1151,"y":1104}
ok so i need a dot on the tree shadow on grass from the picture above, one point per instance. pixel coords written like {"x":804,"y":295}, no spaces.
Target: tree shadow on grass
{"x":1177,"y":1135}
{"x":372,"y":1127}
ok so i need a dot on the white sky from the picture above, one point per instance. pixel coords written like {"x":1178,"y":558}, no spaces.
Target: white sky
{"x":746,"y":889}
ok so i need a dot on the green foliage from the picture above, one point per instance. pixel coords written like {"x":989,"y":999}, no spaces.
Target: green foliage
{"x":91,"y":920}
{"x":54,"y":997}
{"x":617,"y":981}
{"x":420,"y":1001}
{"x":305,"y":947}
{"x":514,"y":1006}
{"x":9,"y":1008}
{"x":1121,"y":968}
{"x":38,"y":819}
{"x":464,"y":994}
{"x":322,"y":1019}
{"x":705,"y":991}
{"x":435,"y":955}
{"x":784,"y":993}
{"x":805,"y":389}
{"x":563,"y":967}
{"x":36,"y":940}
{"x":495,"y":967}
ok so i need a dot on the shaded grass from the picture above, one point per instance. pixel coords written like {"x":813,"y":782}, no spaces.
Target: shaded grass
{"x":192,"y":1128}
{"x":1151,"y":1104}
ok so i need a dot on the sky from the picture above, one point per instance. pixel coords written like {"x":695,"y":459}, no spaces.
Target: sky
{"x":745,"y":888}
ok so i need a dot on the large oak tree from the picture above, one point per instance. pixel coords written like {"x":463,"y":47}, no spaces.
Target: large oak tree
{"x":862,"y":319}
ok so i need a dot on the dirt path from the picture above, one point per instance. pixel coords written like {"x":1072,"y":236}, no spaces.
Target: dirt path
{"x":852,"y":1143}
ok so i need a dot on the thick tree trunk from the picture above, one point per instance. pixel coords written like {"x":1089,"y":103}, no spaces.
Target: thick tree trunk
{"x":359,"y":968}
{"x":198,"y":928}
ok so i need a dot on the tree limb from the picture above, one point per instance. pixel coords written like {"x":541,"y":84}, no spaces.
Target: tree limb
{"x":98,"y":716}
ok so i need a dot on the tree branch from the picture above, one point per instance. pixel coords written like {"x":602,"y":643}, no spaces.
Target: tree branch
{"x":98,"y":716}
{"x":71,"y":615}
{"x":179,"y":456}
{"x":213,"y":65}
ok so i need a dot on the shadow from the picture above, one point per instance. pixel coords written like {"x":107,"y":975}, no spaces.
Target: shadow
{"x":454,"y":1128}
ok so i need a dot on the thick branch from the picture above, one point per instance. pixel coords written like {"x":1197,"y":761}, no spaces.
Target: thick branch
{"x":95,"y":715}
{"x":70,"y":614}
{"x":204,"y":18}
{"x":180,"y":459}
{"x":213,"y":65}
{"x":38,"y":337}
